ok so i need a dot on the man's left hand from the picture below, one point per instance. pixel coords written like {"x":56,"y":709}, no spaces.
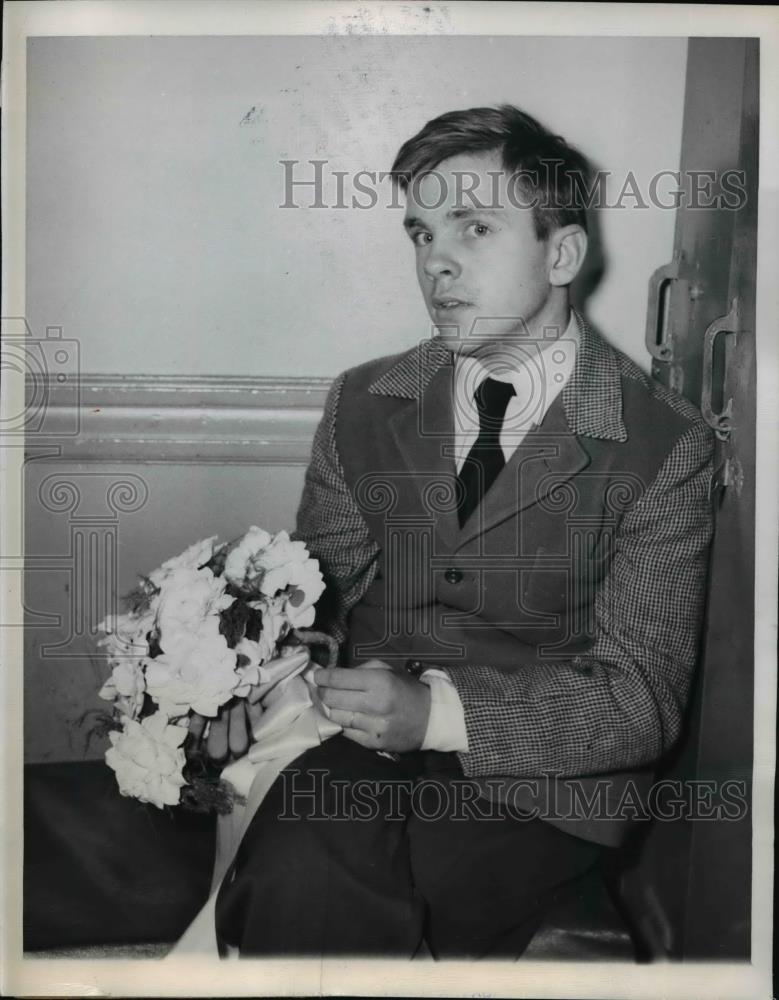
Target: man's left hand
{"x":382,"y":709}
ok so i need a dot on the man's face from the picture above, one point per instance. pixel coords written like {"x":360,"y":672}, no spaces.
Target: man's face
{"x":483,"y":273}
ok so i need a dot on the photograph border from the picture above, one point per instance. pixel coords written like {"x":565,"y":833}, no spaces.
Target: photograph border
{"x":27,"y":976}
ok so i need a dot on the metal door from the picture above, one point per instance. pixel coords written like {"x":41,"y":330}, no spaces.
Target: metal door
{"x":689,"y":891}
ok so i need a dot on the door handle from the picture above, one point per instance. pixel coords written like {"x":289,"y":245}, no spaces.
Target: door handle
{"x":721,"y":422}
{"x":658,"y":337}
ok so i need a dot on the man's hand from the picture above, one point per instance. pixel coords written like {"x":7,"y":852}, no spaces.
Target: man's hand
{"x":230,"y":731}
{"x":382,"y":709}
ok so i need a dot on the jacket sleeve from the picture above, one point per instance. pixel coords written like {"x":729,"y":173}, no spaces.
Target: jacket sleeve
{"x":333,"y":528}
{"x":621,"y":705}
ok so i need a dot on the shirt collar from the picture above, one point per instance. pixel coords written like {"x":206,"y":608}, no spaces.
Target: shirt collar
{"x":591,"y":398}
{"x":537,"y":372}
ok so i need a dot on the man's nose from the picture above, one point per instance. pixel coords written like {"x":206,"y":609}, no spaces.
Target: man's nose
{"x":441,"y":263}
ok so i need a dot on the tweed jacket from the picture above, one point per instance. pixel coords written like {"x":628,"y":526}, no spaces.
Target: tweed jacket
{"x":566,"y":610}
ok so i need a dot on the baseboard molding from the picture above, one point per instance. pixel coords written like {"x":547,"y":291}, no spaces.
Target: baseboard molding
{"x":217,"y":419}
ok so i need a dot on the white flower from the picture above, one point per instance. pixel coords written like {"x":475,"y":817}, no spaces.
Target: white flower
{"x":125,"y":687}
{"x":148,"y":759}
{"x":276,"y":566}
{"x":279,"y":563}
{"x":188,"y":597}
{"x":126,"y":647}
{"x":126,"y":634}
{"x":238,"y":563}
{"x":197,"y":672}
{"x":306,"y":586}
{"x":193,"y":557}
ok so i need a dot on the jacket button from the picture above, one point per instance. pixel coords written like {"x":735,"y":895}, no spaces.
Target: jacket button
{"x":453,"y":576}
{"x":583,"y":665}
{"x":414,"y":667}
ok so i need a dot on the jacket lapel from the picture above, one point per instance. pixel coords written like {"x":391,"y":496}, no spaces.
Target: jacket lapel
{"x":423,"y":431}
{"x":592,"y":397}
{"x":549,"y":455}
{"x":590,"y":405}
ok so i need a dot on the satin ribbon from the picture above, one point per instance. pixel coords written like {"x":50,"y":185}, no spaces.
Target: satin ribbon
{"x":292,"y":722}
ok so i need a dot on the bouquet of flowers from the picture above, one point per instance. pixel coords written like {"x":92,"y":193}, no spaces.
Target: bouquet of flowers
{"x":195,"y":638}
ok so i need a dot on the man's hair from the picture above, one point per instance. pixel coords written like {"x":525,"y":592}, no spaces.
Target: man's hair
{"x":547,"y":170}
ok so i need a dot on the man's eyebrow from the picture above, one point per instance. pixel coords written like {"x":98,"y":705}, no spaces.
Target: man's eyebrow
{"x":412,"y":221}
{"x":461,"y":213}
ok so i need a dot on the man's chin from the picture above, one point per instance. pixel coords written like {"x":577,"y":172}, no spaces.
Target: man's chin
{"x":452,"y":341}
{"x":481,"y":338}
{"x":455,"y":336}
{"x":461,"y":340}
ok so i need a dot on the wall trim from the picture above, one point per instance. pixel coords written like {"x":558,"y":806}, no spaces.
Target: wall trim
{"x":203,"y":419}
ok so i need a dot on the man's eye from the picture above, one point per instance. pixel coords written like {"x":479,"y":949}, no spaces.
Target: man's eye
{"x":421,"y":238}
{"x":478,"y":228}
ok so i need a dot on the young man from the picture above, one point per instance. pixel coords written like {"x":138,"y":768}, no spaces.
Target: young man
{"x":513,"y":523}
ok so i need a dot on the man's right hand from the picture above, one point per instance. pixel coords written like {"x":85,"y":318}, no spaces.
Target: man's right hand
{"x":230,"y":732}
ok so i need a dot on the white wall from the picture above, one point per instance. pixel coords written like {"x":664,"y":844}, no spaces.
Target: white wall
{"x":155,"y":236}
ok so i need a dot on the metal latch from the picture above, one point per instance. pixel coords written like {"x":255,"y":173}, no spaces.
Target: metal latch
{"x":721,"y":422}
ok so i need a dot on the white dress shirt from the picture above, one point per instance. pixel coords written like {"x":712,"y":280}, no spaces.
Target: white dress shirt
{"x":538,"y":371}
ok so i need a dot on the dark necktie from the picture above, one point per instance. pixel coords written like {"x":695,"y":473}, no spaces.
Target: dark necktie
{"x":485,"y":459}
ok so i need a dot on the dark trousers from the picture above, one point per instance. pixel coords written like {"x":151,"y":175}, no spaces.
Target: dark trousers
{"x":353,"y":853}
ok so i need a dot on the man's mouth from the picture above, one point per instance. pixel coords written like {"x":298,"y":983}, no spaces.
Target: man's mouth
{"x":447,"y":303}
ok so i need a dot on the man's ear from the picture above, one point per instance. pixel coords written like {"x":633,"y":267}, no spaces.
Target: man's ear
{"x":568,"y":247}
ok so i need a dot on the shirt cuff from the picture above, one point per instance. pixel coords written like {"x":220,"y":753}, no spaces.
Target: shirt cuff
{"x":446,"y":724}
